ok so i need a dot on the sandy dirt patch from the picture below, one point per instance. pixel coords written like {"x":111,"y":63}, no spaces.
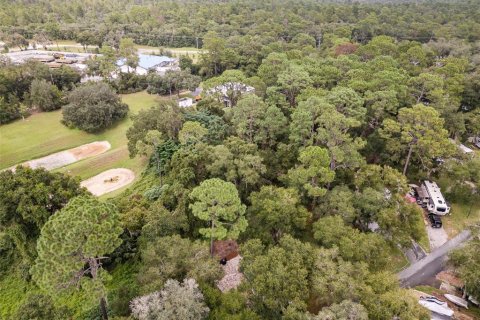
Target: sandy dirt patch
{"x":437,"y":237}
{"x":108,"y":181}
{"x":233,"y":277}
{"x":63,"y":158}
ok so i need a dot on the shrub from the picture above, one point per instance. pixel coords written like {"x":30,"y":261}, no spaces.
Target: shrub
{"x":93,"y":107}
{"x":44,"y":96}
{"x":9,"y":110}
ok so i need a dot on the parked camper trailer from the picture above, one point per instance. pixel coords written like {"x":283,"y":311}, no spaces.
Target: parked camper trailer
{"x":432,"y":198}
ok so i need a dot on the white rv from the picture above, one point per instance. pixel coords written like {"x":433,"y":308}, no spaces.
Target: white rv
{"x":433,"y":198}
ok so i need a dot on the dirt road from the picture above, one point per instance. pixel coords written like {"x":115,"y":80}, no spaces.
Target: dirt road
{"x":63,"y":158}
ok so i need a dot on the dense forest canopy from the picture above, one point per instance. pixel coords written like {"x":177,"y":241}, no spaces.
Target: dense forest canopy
{"x":185,"y":23}
{"x":314,"y":119}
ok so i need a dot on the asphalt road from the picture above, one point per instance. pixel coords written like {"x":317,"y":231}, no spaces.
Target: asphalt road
{"x":424,"y":270}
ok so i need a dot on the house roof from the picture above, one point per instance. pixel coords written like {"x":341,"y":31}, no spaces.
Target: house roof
{"x":147,"y":61}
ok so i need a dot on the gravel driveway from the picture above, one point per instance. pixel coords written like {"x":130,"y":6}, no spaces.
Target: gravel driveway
{"x":437,"y":237}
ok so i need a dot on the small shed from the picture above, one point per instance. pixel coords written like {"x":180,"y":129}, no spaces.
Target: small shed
{"x":185,"y":102}
{"x":225,"y":249}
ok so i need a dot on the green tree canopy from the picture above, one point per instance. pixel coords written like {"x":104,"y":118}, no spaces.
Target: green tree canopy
{"x":164,"y":117}
{"x":73,"y":244}
{"x":175,"y":301}
{"x":292,"y":80}
{"x":316,"y":122}
{"x":93,"y":107}
{"x":192,"y":132}
{"x":466,"y":260}
{"x":217,"y":203}
{"x":256,"y":122}
{"x":44,"y":96}
{"x":173,"y":257}
{"x":274,"y":212}
{"x":346,"y":310}
{"x":313,"y":173}
{"x":277,"y":277}
{"x":28,"y":197}
{"x":418,"y":132}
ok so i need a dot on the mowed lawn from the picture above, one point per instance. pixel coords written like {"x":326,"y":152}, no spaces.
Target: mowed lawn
{"x":193,"y":53}
{"x":461,"y":217}
{"x":42,"y":134}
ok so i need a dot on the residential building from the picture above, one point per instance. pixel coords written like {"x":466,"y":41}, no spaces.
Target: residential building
{"x":150,"y":63}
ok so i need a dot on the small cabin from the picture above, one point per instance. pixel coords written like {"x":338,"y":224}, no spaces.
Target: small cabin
{"x":185,"y":102}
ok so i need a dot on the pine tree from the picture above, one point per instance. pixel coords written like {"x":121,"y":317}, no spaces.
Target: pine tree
{"x":217,"y":202}
{"x":73,"y":244}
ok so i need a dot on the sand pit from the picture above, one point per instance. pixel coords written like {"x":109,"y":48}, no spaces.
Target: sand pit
{"x":63,"y":158}
{"x":109,"y":181}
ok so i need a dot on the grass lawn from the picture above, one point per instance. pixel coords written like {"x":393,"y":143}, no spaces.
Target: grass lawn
{"x":42,"y":134}
{"x":398,"y":260}
{"x":423,"y":240}
{"x":460,"y":218}
{"x":193,"y":53}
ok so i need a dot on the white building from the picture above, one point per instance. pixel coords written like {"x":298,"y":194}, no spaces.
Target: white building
{"x":185,"y":102}
{"x":146,"y":63}
{"x":225,"y":91}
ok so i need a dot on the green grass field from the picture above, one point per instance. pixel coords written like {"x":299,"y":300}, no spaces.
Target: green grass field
{"x":193,"y":53}
{"x":42,"y":134}
{"x":72,"y":46}
{"x":460,"y":218}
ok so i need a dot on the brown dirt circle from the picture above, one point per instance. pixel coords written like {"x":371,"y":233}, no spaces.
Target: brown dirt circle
{"x":109,"y":181}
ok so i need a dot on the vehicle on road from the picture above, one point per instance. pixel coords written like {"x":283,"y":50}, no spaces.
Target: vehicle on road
{"x":435,"y":221}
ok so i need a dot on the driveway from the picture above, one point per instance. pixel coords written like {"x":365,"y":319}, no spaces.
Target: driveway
{"x":437,"y":237}
{"x":424,"y":270}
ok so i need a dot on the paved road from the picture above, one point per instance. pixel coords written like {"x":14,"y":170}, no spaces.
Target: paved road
{"x":425,"y":269}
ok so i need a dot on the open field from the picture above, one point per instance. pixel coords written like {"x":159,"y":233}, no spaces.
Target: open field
{"x":42,"y":134}
{"x":193,"y":53}
{"x":72,"y":46}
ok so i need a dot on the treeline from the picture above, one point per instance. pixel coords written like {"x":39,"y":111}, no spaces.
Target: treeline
{"x":33,"y":87}
{"x":308,"y":173}
{"x":178,"y":24}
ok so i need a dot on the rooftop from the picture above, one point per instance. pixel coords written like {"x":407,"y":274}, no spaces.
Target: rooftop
{"x":434,"y":192}
{"x":147,"y":61}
